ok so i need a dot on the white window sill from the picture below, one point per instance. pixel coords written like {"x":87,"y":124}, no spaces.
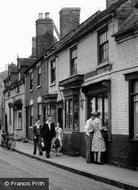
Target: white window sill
{"x":31,"y":90}
{"x":39,"y":86}
{"x":52,"y":84}
{"x":103,"y":64}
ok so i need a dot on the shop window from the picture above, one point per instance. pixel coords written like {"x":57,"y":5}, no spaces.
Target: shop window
{"x":134,"y":109}
{"x":39,"y":76}
{"x":72,"y":114}
{"x":31,"y":81}
{"x":103,"y":46}
{"x":18,"y":120}
{"x":99,"y":103}
{"x":73,"y":60}
{"x":53,"y":71}
{"x":10,"y":122}
{"x":31,"y":115}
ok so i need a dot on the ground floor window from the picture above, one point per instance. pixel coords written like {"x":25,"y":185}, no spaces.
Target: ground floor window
{"x":39,"y":110}
{"x":72,"y":113}
{"x":134,"y":108}
{"x":18,"y":119}
{"x":51,"y":110}
{"x":99,"y":102}
{"x":31,"y":115}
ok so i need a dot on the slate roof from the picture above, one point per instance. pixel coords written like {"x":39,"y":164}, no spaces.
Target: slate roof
{"x":25,"y":61}
{"x":130,"y":24}
{"x":83,"y":29}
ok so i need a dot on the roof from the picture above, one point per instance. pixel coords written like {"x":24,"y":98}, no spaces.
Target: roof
{"x":91,"y":24}
{"x":12,"y":68}
{"x":25,"y":61}
{"x":83,"y":29}
{"x":130,"y":24}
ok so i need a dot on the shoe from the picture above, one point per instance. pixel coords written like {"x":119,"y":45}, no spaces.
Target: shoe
{"x":40,"y":153}
{"x":88,"y":162}
{"x":47,"y":155}
{"x":99,"y":163}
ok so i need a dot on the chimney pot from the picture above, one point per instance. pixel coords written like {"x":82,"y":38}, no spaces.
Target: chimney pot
{"x":40,"y":15}
{"x":47,"y":15}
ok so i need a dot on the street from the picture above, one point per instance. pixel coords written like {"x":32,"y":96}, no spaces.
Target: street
{"x":13,"y":164}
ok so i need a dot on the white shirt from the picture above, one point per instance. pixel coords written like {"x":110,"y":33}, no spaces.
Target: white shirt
{"x":49,"y":125}
{"x":88,"y":126}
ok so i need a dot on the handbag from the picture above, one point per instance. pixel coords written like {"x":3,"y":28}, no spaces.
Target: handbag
{"x":104,"y":134}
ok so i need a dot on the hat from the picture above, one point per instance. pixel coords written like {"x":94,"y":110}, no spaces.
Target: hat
{"x":96,"y":114}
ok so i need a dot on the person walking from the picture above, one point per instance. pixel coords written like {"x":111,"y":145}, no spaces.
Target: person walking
{"x":37,"y":135}
{"x":98,"y":143}
{"x":48,"y":134}
{"x":88,"y":136}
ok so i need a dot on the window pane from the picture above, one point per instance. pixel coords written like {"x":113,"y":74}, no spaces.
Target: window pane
{"x":71,"y":114}
{"x":67,"y":109}
{"x":136,"y":116}
{"x":76,"y":114}
{"x":74,"y":54}
{"x":135,"y":87}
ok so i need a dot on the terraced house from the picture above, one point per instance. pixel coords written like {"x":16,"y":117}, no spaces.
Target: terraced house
{"x":94,"y":67}
{"x":14,"y":98}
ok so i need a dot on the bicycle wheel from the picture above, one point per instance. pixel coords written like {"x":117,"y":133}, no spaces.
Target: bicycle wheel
{"x":12,"y":144}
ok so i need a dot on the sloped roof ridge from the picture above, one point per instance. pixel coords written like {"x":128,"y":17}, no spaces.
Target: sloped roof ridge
{"x":130,"y":23}
{"x":89,"y":22}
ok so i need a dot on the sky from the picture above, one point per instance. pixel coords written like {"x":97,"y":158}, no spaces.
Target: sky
{"x":17,"y":23}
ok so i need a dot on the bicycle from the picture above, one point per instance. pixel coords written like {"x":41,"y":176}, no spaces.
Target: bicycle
{"x":8,"y":141}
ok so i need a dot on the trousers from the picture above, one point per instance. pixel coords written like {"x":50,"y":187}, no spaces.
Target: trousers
{"x":88,"y":147}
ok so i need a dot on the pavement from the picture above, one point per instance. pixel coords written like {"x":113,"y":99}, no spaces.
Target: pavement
{"x":113,"y":175}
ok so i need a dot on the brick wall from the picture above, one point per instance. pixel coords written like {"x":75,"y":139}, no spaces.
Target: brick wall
{"x":69,"y":19}
{"x":37,"y":91}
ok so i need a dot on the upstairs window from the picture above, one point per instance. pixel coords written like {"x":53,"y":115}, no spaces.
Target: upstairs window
{"x":31,"y":81}
{"x":53,"y":71}
{"x":73,"y":60}
{"x":39,"y":76}
{"x":103,"y":46}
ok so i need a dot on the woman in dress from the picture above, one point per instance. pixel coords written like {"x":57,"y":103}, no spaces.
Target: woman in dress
{"x":98,"y":143}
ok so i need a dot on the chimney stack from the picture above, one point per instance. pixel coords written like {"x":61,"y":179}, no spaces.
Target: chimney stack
{"x":47,"y":15}
{"x":33,"y":46}
{"x":69,"y":20}
{"x":44,"y":26}
{"x":40,"y":16}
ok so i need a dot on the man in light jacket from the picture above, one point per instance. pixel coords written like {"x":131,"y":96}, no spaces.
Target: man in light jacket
{"x":89,"y":133}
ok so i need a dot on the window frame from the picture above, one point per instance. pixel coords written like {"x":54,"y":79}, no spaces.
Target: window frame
{"x":132,"y":134}
{"x":73,"y":65}
{"x":70,"y":114}
{"x":39,"y":73}
{"x":39,"y":111}
{"x":31,"y":115}
{"x":53,"y":71}
{"x":31,"y":81}
{"x":101,"y":58}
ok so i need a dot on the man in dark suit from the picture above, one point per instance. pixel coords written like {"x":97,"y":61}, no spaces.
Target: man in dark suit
{"x":37,"y":134}
{"x":48,"y":134}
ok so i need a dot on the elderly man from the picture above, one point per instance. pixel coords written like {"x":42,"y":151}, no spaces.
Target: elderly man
{"x":89,"y":133}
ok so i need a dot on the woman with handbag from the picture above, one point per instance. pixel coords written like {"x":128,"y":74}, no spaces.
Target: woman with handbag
{"x":98,"y":143}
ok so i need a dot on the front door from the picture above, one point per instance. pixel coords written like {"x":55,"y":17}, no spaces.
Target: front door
{"x":60,"y":117}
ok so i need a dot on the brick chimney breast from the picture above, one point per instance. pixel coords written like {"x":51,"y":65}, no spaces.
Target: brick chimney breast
{"x":69,"y":20}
